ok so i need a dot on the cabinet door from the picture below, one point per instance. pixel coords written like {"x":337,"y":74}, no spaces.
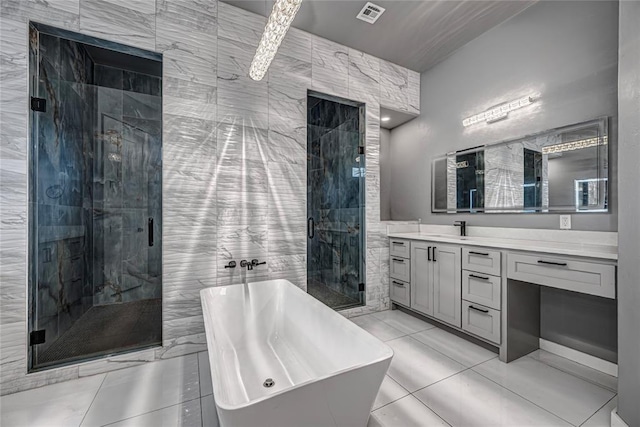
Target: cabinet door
{"x":421,"y":278}
{"x":447,"y":284}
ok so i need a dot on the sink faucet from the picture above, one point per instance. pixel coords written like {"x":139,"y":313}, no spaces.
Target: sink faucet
{"x":463,"y":227}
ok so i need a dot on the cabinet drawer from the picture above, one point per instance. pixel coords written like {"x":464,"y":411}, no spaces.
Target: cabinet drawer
{"x":482,"y":261}
{"x":400,"y":269}
{"x":481,"y":321}
{"x":481,"y":288}
{"x":401,"y":292}
{"x":564,"y":273}
{"x":400,"y":248}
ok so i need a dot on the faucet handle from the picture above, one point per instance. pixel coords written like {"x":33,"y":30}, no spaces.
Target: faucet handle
{"x":255,"y":262}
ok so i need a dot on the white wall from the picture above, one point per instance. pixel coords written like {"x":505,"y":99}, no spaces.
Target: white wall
{"x":234,"y":156}
{"x":563,"y":51}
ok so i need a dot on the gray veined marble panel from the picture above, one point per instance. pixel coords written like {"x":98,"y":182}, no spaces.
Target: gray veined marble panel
{"x":394,"y":82}
{"x":13,"y":57}
{"x":292,"y":70}
{"x":234,"y":58}
{"x":182,"y":345}
{"x":242,"y":176}
{"x":182,"y":327}
{"x":240,"y":91}
{"x":61,"y":13}
{"x":231,"y":213}
{"x":413,"y":93}
{"x":287,"y":178}
{"x":188,"y":54}
{"x":244,"y":117}
{"x":189,"y":108}
{"x":364,"y":76}
{"x":188,"y":89}
{"x":296,"y":44}
{"x":286,"y":147}
{"x":329,"y":67}
{"x":118,"y":23}
{"x":287,"y":100}
{"x":200,"y":15}
{"x":290,"y":267}
{"x":241,"y":143}
{"x":240,"y":25}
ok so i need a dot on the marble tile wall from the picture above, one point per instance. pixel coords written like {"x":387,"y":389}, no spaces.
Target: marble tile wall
{"x":234,"y":155}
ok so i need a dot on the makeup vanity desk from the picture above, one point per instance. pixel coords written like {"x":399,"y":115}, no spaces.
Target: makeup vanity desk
{"x":489,"y":287}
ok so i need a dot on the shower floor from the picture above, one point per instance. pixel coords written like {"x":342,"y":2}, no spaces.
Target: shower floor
{"x":329,"y":297}
{"x":106,"y":329}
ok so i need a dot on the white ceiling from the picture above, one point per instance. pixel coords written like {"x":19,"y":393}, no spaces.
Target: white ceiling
{"x":414,"y":34}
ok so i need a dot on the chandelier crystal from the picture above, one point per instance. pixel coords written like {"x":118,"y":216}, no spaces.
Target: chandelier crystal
{"x":277,"y":26}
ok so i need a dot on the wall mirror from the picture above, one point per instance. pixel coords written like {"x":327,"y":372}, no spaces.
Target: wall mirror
{"x":558,"y":170}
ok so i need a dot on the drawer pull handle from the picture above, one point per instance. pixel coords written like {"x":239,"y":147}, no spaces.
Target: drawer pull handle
{"x":398,"y":283}
{"x":429,"y":253}
{"x":478,"y":277}
{"x":479,"y":253}
{"x":398,"y":260}
{"x":561,"y":264}
{"x":434,"y":254}
{"x":478,"y":309}
{"x":398,"y":243}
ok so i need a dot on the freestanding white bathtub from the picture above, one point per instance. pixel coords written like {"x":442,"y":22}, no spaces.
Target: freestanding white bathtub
{"x":322,"y":369}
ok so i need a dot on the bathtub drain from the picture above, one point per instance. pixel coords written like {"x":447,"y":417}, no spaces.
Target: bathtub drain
{"x":268,"y":383}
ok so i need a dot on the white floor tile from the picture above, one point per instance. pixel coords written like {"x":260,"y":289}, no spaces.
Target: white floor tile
{"x":566,"y":396}
{"x":459,"y":349}
{"x":602,"y":418}
{"x":576,"y":369}
{"x":377,"y":327}
{"x":390,"y":391}
{"x":182,"y":415}
{"x":146,"y":388}
{"x":403,"y":322}
{"x":406,"y":412}
{"x":206,"y":386}
{"x":63,"y":404}
{"x":469,"y":399}
{"x":415,"y":365}
{"x":209,"y":414}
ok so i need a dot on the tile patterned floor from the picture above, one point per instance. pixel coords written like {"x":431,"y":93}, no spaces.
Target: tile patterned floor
{"x":435,"y":379}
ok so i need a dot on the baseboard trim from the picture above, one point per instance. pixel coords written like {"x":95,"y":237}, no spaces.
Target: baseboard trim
{"x":616,"y":421}
{"x":580,"y":357}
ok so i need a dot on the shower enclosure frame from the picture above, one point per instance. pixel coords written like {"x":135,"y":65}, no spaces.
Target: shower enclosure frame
{"x":34,"y":105}
{"x":362,"y":114}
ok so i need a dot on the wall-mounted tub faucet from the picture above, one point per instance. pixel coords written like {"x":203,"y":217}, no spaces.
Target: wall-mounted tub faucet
{"x":250,"y":264}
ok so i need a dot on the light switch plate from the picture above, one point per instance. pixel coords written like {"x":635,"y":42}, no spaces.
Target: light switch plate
{"x":565,"y":222}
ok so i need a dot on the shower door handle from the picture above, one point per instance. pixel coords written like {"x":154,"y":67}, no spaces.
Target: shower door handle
{"x":311,"y":228}
{"x":150,"y":231}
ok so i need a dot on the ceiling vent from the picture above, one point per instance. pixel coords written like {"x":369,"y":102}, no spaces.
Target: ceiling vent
{"x":370,"y":13}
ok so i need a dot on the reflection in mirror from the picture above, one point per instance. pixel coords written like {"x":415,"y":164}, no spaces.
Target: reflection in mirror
{"x":559,"y":170}
{"x":470,"y":181}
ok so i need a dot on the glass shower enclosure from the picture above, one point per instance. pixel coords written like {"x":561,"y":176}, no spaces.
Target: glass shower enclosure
{"x":95,"y":198}
{"x":335,"y":201}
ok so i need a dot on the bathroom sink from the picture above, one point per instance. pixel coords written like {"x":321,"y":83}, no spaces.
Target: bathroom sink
{"x":446,"y":236}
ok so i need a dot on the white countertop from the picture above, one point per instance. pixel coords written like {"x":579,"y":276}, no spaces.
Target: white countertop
{"x":607,"y":252}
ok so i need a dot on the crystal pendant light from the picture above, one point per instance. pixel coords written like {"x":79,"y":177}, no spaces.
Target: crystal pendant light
{"x":279,"y":21}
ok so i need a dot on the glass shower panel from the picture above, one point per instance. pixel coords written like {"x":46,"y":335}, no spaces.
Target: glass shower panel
{"x":95,"y":198}
{"x":335,"y":201}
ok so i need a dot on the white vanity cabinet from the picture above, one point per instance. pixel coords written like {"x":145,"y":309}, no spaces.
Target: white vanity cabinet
{"x":436,"y":281}
{"x":447,"y":283}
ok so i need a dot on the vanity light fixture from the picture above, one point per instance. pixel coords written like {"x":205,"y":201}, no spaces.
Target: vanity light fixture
{"x":385,"y":119}
{"x":498,"y":113}
{"x":277,"y":26}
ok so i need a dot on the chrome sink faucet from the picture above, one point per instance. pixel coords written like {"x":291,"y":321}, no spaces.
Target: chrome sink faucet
{"x":463,"y":227}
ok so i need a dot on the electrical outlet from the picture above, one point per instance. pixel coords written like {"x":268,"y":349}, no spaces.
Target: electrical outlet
{"x":565,"y":222}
